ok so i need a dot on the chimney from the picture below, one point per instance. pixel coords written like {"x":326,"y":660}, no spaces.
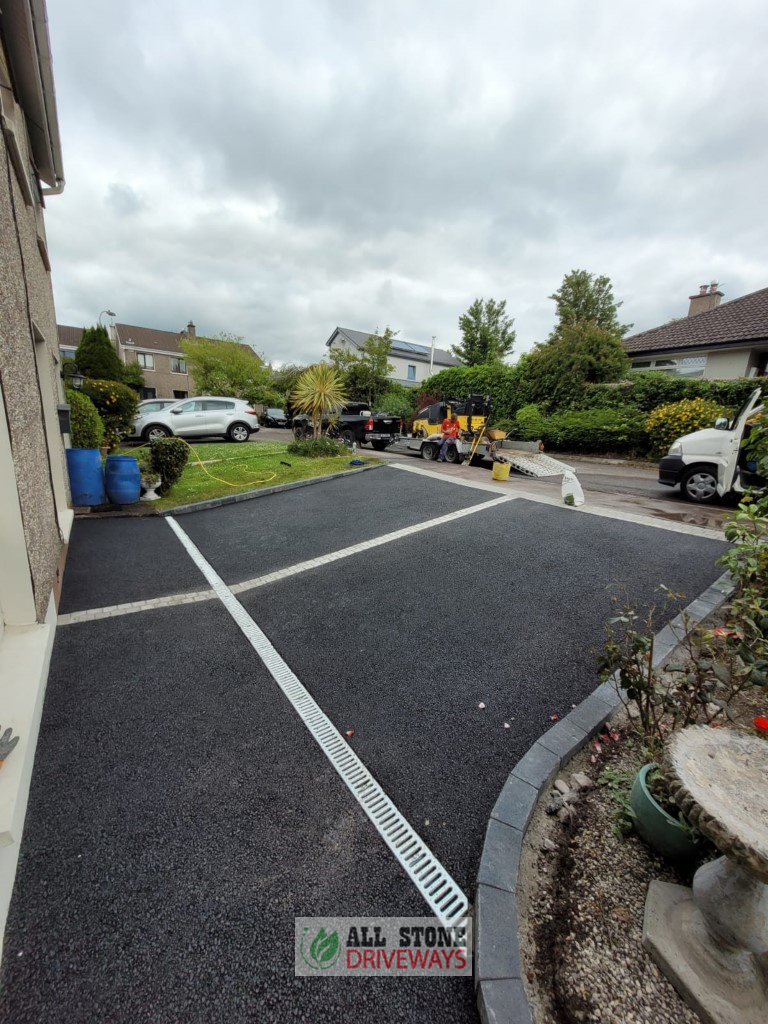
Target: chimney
{"x":190,"y":331}
{"x":708,"y":298}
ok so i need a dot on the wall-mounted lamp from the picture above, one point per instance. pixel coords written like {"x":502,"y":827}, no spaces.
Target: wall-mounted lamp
{"x":72,"y":376}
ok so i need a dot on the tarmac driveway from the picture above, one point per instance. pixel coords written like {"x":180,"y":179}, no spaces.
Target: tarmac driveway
{"x":181,"y":814}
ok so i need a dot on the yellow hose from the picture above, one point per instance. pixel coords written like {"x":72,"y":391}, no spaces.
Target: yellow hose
{"x":218,"y":479}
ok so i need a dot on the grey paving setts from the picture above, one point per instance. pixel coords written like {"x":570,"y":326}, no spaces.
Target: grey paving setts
{"x":257,"y":537}
{"x":402,"y":643}
{"x":113,"y":561}
{"x":180,"y":816}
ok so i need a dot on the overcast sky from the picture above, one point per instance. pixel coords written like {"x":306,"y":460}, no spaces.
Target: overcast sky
{"x":275,"y":169}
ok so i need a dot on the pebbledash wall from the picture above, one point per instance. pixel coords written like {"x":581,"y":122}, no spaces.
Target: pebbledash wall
{"x":35,"y":517}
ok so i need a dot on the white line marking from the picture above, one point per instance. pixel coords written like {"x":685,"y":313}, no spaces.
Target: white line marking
{"x":367,"y":545}
{"x":278,"y":574}
{"x":440,"y":891}
{"x":110,"y":611}
{"x":589,"y":510}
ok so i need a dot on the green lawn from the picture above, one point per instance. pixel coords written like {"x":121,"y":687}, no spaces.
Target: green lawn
{"x":233,"y":468}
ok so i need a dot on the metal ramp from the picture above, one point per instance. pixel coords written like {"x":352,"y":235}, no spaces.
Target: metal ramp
{"x":525,"y":457}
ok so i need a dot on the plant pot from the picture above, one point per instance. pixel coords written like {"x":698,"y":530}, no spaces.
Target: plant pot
{"x":663,"y":833}
{"x":150,"y":485}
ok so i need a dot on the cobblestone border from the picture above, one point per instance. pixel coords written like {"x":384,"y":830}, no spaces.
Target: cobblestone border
{"x":501,"y":995}
{"x":231,"y":499}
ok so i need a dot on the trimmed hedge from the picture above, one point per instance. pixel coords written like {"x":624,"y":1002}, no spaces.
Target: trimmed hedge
{"x":595,"y":431}
{"x":169,"y":457}
{"x":87,"y":429}
{"x":502,"y":383}
{"x":647,"y":390}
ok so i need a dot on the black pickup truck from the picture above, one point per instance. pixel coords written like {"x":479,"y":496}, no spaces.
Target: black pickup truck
{"x":355,"y":424}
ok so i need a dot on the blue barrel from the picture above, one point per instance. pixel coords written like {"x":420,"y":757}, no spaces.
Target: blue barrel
{"x":123,"y":479}
{"x":86,"y":477}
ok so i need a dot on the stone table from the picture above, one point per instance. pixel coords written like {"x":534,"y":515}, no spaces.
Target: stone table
{"x":712,"y":941}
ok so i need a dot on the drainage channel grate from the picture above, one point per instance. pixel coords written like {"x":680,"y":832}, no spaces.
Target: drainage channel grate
{"x":441,"y":892}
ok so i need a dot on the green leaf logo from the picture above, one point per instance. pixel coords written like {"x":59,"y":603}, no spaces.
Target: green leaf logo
{"x":324,"y":951}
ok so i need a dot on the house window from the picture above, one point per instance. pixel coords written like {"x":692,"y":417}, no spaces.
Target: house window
{"x":180,"y":394}
{"x":145,"y":360}
{"x":178,"y":365}
{"x":148,"y":393}
{"x":685,"y":366}
{"x":67,"y":353}
{"x":411,"y":372}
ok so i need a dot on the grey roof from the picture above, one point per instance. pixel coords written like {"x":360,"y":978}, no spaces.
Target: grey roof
{"x":69,"y":337}
{"x":406,"y":349}
{"x":140,"y":338}
{"x":741,"y":320}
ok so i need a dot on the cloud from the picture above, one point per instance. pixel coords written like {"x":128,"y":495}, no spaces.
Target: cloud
{"x":276,"y":170}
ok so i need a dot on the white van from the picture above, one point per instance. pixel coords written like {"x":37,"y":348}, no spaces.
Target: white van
{"x":709,"y":464}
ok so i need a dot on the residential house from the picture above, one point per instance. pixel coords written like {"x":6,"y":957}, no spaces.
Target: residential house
{"x":157,"y":352}
{"x":714,"y":340}
{"x":35,"y":517}
{"x":411,"y":363}
{"x":159,"y":355}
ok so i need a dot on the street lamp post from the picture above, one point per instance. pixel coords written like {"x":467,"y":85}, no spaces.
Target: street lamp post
{"x":101,"y":314}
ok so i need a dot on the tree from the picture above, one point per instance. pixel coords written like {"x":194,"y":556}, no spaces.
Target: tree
{"x":230,"y":368}
{"x":585,"y":298}
{"x":132,"y":375}
{"x":365,"y":373}
{"x":284,"y":381}
{"x":487,"y":333}
{"x":319,"y":392}
{"x":582,"y":353}
{"x":96,"y":356}
{"x":398,"y":400}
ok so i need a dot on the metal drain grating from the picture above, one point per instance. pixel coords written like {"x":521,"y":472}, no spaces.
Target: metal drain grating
{"x":441,"y":892}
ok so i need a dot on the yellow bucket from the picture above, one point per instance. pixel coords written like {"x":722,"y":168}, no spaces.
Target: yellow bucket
{"x":501,"y":471}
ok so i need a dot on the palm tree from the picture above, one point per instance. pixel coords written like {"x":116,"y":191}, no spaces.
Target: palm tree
{"x":319,"y":392}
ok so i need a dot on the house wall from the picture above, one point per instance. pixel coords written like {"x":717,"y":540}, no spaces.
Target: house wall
{"x":163,"y":379}
{"x":400,"y":364}
{"x":35,"y":520}
{"x":29,"y":373}
{"x":727,"y":365}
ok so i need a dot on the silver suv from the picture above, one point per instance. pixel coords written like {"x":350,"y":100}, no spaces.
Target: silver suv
{"x":206,"y":416}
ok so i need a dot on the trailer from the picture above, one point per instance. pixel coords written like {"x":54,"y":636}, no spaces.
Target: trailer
{"x":429,"y":448}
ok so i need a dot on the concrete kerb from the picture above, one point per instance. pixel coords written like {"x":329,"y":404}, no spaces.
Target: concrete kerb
{"x":231,"y":499}
{"x":501,"y":995}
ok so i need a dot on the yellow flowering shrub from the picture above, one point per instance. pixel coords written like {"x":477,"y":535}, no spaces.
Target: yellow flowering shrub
{"x":666,"y":423}
{"x":117,"y":405}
